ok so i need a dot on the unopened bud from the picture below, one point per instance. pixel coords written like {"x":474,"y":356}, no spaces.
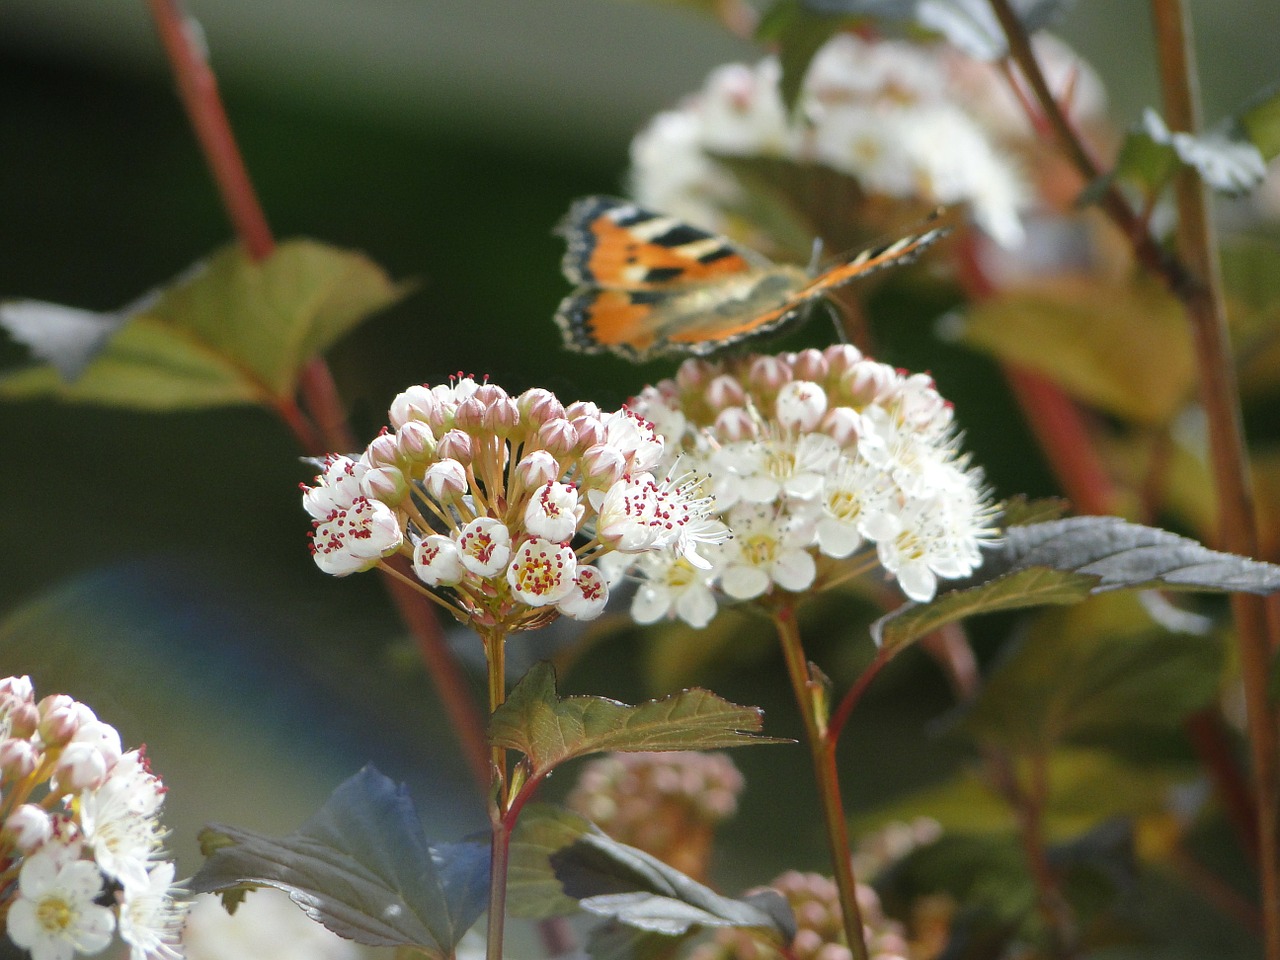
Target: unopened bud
{"x":455,"y":445}
{"x":768,"y":374}
{"x":60,"y":718}
{"x":725,"y":391}
{"x":102,"y":737}
{"x":29,"y":827}
{"x":558,"y":437}
{"x":591,"y":430}
{"x":537,"y":406}
{"x":801,"y":404}
{"x":841,"y":357}
{"x":17,"y":688}
{"x":692,"y":374}
{"x":415,"y":441}
{"x":735,"y":423}
{"x":865,"y":382}
{"x":809,"y":365}
{"x":23,"y":718}
{"x":501,"y":417}
{"x":602,"y":466}
{"x":581,"y":408}
{"x":536,"y":469}
{"x":81,"y":766}
{"x":843,"y":424}
{"x":445,"y":481}
{"x":416,"y":403}
{"x":469,"y":415}
{"x":383,"y":451}
{"x":19,"y":758}
{"x":386,"y":484}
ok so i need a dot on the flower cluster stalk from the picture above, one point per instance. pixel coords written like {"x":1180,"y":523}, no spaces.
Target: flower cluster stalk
{"x":811,"y":701}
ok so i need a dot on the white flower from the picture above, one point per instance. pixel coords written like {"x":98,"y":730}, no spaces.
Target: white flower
{"x":485,"y":546}
{"x":554,"y":512}
{"x":437,"y":561}
{"x":633,"y":436}
{"x":54,"y":915}
{"x":783,"y":464}
{"x":150,"y":918}
{"x":768,"y":547}
{"x":542,"y":572}
{"x":589,"y":596}
{"x":355,"y":537}
{"x":672,"y":586}
{"x":119,"y":820}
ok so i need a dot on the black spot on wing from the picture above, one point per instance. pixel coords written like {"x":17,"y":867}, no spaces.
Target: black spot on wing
{"x":679,"y":235}
{"x":662,"y":274}
{"x":719,"y":253}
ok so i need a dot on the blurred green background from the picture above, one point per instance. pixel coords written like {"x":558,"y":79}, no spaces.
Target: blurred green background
{"x":156,"y":566}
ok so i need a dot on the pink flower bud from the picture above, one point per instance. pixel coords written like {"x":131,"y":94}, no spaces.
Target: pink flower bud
{"x":536,"y":469}
{"x":415,"y":441}
{"x":809,"y":365}
{"x":501,"y":417}
{"x":840,"y":357}
{"x":537,"y":406}
{"x":29,"y":827}
{"x":557,"y":437}
{"x":386,"y":484}
{"x":801,"y":404}
{"x":23,"y":718}
{"x":581,"y":408}
{"x":867,"y":381}
{"x":725,"y":391}
{"x":445,"y":480}
{"x":591,"y":430}
{"x":455,"y":445}
{"x":81,"y":766}
{"x":18,"y":758}
{"x":842,"y":424}
{"x":416,"y":403}
{"x":382,"y":452}
{"x":470,"y":415}
{"x":693,"y":373}
{"x":768,"y":374}
{"x":60,"y":718}
{"x":17,"y":688}
{"x":490,"y":393}
{"x":602,"y":466}
{"x":102,"y":737}
{"x":735,"y":423}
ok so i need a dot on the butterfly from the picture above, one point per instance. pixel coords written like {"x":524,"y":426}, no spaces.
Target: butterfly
{"x":649,"y":284}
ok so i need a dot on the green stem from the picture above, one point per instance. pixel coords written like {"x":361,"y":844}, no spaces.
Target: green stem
{"x":811,"y":701}
{"x":1202,"y":297}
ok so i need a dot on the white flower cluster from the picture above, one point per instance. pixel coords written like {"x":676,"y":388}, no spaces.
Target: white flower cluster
{"x":79,"y":827}
{"x":502,"y":505}
{"x":814,"y":457}
{"x":882,"y":112}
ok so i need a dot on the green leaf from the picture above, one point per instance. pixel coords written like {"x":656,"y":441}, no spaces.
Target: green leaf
{"x":228,"y":331}
{"x":1064,"y":561}
{"x":561,"y":861}
{"x":799,"y":33}
{"x":1260,"y":121}
{"x":1097,"y":667}
{"x":361,"y":867}
{"x":548,"y":730}
{"x":1122,"y":347}
{"x":616,"y":941}
{"x":1019,"y":511}
{"x":611,"y":879}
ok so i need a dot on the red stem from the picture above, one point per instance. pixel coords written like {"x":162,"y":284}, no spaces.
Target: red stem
{"x":198,"y":91}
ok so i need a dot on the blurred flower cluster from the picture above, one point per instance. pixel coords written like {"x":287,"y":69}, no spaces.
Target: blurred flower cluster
{"x":899,"y":118}
{"x":502,"y":505}
{"x":823,"y":463}
{"x":666,"y":804}
{"x":80,"y":834}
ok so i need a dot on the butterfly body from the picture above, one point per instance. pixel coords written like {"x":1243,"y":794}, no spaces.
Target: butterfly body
{"x":649,"y":284}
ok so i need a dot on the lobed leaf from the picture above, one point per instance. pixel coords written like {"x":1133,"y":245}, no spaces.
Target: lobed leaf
{"x":228,"y":331}
{"x":549,"y":730}
{"x":362,"y":867}
{"x":1064,"y":561}
{"x":1260,"y":121}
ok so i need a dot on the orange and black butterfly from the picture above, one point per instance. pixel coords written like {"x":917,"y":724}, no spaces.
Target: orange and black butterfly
{"x":649,"y":284}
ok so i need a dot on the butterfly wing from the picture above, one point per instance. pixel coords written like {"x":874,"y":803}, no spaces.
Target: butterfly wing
{"x":649,"y":284}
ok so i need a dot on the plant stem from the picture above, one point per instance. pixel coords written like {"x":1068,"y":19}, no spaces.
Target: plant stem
{"x":810,"y":700}
{"x":500,"y":803}
{"x":1203,"y":299}
{"x":198,"y":91}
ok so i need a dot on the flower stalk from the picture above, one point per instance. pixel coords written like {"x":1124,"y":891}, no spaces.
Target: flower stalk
{"x":811,"y":699}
